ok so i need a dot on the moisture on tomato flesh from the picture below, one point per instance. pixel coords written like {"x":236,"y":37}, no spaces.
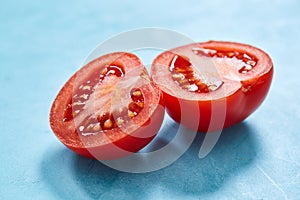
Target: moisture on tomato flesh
{"x":108,"y":109}
{"x":212,"y":85}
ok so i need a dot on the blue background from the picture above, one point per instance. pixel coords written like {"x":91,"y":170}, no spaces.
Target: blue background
{"x":42,"y":43}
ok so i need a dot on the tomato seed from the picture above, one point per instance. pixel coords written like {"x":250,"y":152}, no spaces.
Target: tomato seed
{"x":247,"y":56}
{"x":86,"y":87}
{"x":134,"y":107}
{"x":78,"y":103}
{"x":140,"y":104}
{"x":230,"y":54}
{"x":183,"y":82}
{"x":251,"y":62}
{"x":108,"y":124}
{"x":120,"y":121}
{"x":137,"y":93}
{"x":130,"y":114}
{"x":84,"y":96}
{"x":104,"y":71}
{"x":178,"y":76}
{"x":245,"y":69}
{"x":220,"y":54}
{"x":184,"y":75}
{"x":96,"y":127}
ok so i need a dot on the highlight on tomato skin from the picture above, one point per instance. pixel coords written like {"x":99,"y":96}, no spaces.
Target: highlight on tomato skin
{"x":217,"y":83}
{"x":108,"y":109}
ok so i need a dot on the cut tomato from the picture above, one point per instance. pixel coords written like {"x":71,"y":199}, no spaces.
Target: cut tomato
{"x":108,"y":109}
{"x":212,"y":85}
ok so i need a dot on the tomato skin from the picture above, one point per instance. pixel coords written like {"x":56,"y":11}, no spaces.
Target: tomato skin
{"x":114,"y":147}
{"x":238,"y":107}
{"x":223,"y":112}
{"x":113,"y":151}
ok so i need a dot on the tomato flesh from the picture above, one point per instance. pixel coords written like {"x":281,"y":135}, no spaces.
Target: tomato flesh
{"x":218,"y":83}
{"x":108,"y":109}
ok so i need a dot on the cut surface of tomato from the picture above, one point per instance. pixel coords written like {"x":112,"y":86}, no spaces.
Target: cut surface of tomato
{"x":108,"y":109}
{"x":217,"y":83}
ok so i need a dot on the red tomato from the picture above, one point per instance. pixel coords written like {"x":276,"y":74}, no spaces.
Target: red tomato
{"x":108,"y":109}
{"x":212,"y":85}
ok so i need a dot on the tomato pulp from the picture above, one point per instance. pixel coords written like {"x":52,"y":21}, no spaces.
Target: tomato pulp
{"x":212,"y":85}
{"x":108,"y":109}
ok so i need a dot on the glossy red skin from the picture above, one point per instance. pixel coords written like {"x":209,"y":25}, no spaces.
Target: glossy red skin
{"x":115,"y":149}
{"x":239,"y":105}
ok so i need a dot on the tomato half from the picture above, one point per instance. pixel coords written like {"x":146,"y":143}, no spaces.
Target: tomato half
{"x":108,"y":109}
{"x":212,"y":85}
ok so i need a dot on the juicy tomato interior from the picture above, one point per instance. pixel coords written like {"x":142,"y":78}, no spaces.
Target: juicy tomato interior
{"x":219,"y":78}
{"x":84,"y":91}
{"x":108,"y":109}
{"x":106,"y":120}
{"x":187,"y":78}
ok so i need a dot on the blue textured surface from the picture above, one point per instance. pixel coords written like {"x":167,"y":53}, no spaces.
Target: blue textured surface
{"x":43,"y":43}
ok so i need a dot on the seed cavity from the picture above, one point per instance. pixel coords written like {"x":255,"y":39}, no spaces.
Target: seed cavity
{"x":108,"y":121}
{"x":184,"y":75}
{"x":248,"y":61}
{"x":84,"y":91}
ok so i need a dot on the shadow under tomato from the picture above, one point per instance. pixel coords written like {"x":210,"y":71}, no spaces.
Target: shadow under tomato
{"x":235,"y":150}
{"x":72,"y":176}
